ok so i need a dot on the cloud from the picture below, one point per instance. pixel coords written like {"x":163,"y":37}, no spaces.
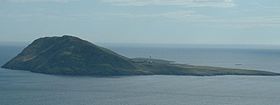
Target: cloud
{"x":28,"y":1}
{"x":168,"y":15}
{"x":187,"y":3}
{"x":260,"y":21}
{"x":188,"y":16}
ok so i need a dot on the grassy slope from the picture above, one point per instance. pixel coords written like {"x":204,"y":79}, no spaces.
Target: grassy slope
{"x":69,"y":55}
{"x":183,"y":69}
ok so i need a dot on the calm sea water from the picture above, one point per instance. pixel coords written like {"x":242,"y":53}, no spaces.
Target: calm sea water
{"x":25,"y":88}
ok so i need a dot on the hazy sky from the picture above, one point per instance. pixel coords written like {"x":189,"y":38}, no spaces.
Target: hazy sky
{"x":143,"y":21}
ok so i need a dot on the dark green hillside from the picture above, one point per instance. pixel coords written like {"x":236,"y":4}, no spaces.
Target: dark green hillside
{"x":68,"y":55}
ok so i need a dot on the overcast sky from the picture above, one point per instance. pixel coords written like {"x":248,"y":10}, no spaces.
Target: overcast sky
{"x":143,"y":21}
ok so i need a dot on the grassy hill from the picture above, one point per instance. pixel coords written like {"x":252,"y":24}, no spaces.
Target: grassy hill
{"x":68,"y":55}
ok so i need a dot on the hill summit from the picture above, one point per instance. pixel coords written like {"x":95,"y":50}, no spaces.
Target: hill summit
{"x":69,"y":55}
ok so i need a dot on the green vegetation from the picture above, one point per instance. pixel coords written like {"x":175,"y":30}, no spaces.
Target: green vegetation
{"x":68,"y":55}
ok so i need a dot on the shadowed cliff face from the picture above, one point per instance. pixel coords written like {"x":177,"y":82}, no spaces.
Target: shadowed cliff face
{"x":69,"y":55}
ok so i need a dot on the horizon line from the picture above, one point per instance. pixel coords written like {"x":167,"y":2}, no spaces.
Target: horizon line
{"x":155,"y":44}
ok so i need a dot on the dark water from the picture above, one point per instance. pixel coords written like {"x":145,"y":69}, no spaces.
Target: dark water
{"x":25,"y":88}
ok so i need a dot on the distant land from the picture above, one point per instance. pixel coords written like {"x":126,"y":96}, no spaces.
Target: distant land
{"x":69,"y":55}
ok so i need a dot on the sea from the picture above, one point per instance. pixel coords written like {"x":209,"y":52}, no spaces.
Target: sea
{"x":26,"y":88}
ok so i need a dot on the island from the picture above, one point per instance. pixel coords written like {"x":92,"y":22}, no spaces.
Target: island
{"x":70,"y":55}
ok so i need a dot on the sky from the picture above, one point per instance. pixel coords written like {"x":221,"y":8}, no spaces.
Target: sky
{"x":143,"y":21}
